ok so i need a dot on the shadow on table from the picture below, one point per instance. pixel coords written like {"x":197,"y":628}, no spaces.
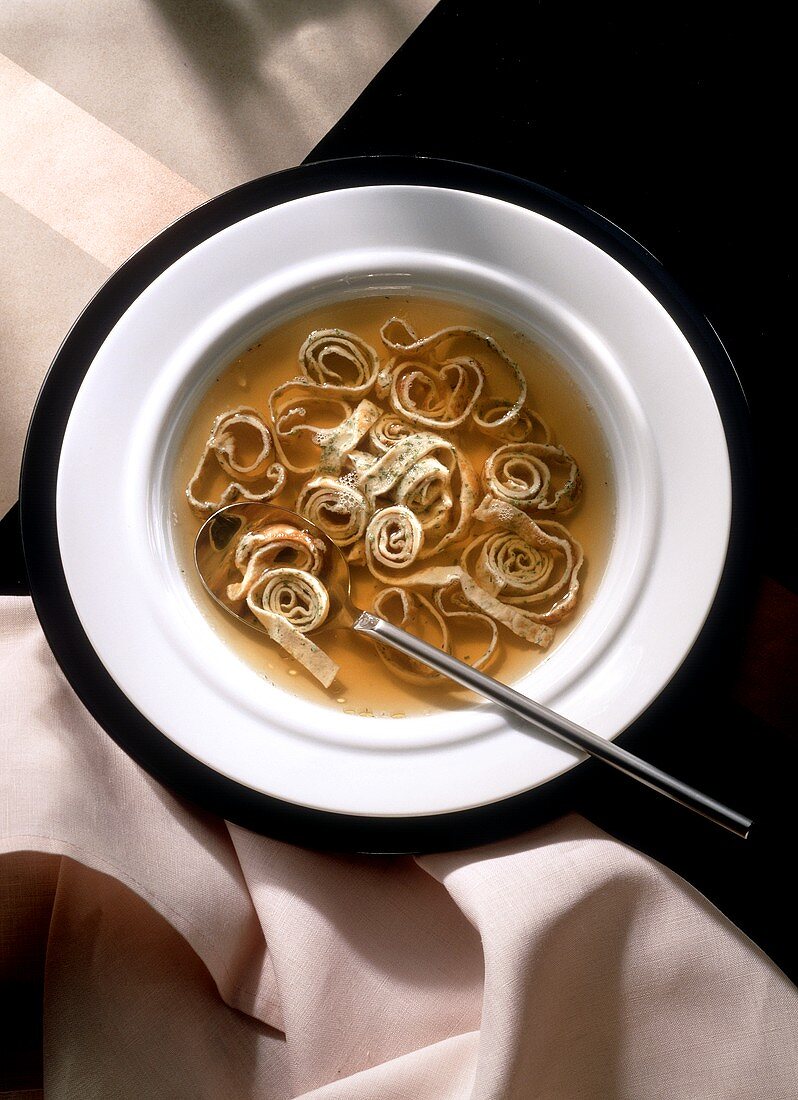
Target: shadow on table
{"x":275,"y":55}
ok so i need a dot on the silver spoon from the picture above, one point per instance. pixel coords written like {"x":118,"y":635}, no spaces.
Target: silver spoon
{"x":214,"y":553}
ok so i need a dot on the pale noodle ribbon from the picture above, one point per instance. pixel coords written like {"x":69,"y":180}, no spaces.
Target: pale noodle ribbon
{"x":394,"y":538}
{"x":412,"y":606}
{"x":386,"y":476}
{"x":288,"y":601}
{"x":522,"y":474}
{"x":520,"y":564}
{"x":222,"y":448}
{"x":492,"y":422}
{"x":388,"y":430}
{"x":258,"y":551}
{"x":339,"y":509}
{"x":448,"y":391}
{"x":334,"y":365}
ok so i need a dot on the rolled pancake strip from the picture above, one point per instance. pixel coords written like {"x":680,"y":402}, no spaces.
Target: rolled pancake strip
{"x":439,"y":397}
{"x":388,"y":471}
{"x":235,"y":490}
{"x":321,"y":383}
{"x":394,"y":538}
{"x":388,"y":430}
{"x":290,"y":406}
{"x":288,"y":603}
{"x":508,"y":565}
{"x":462,"y":613}
{"x":222,"y":446}
{"x":360,"y":461}
{"x":380,"y":478}
{"x":523,"y":623}
{"x":400,"y":338}
{"x":550,"y":538}
{"x":339,"y":509}
{"x":521,"y":474}
{"x":258,"y":551}
{"x":426,"y":490}
{"x":336,"y":443}
{"x":491,"y":411}
{"x":326,"y":349}
{"x":225,"y":444}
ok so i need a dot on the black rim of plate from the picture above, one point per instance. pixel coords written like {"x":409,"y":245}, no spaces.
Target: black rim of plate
{"x":82,"y":666}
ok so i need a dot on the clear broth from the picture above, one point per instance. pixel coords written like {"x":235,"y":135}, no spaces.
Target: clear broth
{"x":365,"y":686}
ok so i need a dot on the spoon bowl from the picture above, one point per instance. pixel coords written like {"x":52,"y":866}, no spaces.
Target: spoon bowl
{"x":215,"y":550}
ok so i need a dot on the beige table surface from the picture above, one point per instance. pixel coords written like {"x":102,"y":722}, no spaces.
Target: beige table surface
{"x":118,"y":115}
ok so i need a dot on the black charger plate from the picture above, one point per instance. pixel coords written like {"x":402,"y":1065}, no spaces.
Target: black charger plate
{"x":83,"y":668}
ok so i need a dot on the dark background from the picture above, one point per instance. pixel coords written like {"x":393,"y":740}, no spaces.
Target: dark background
{"x":676,"y":129}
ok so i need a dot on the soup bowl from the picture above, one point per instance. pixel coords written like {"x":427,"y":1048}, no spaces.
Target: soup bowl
{"x":155,"y":669}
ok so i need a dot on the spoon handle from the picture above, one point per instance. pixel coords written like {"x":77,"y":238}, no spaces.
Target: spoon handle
{"x":552,"y":723}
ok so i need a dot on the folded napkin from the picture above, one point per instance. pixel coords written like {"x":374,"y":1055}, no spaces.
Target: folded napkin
{"x":182,"y":956}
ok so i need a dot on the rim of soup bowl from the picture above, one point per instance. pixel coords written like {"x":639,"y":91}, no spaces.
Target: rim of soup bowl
{"x":318,"y":766}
